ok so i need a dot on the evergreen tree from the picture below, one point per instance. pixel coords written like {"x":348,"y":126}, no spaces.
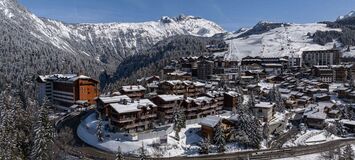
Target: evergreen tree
{"x":340,"y":130}
{"x":243,"y":139}
{"x":279,"y":103}
{"x":328,"y":155}
{"x":179,"y":120}
{"x":272,"y":94}
{"x":119,"y":155}
{"x":142,"y":152}
{"x":204,"y":146}
{"x":43,"y":135}
{"x":348,"y":153}
{"x":250,"y":126}
{"x":233,"y":134}
{"x":349,"y":113}
{"x":219,"y":137}
{"x":8,"y":136}
{"x":100,"y":130}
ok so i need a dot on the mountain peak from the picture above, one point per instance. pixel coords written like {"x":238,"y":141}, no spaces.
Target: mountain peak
{"x":179,"y":18}
{"x":349,"y":15}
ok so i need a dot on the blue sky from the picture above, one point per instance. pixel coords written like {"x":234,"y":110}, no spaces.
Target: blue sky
{"x":230,"y":14}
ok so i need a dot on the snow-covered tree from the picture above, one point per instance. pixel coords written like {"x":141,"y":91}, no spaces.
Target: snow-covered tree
{"x":142,"y":152}
{"x":340,"y":129}
{"x":219,"y":137}
{"x":348,"y":112}
{"x":250,"y":126}
{"x":232,"y":133}
{"x":275,"y":96}
{"x":43,"y":135}
{"x":205,"y":145}
{"x":328,"y":155}
{"x":100,"y":130}
{"x":330,"y":129}
{"x":119,"y":155}
{"x":179,"y":120}
{"x":348,"y":153}
{"x":272,"y":94}
{"x":243,"y":139}
{"x":251,"y":102}
{"x":8,"y":136}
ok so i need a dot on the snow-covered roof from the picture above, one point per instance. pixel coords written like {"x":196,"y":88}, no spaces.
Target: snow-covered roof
{"x":62,"y":77}
{"x":133,"y":88}
{"x":132,"y":107}
{"x":114,"y":99}
{"x":232,"y":93}
{"x":198,"y":84}
{"x":348,"y":122}
{"x":272,"y":65}
{"x":317,"y":115}
{"x":206,"y":99}
{"x":264,"y":105}
{"x":171,"y":97}
{"x":210,"y":121}
{"x":178,"y":73}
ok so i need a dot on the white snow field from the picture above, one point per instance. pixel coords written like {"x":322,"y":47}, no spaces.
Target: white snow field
{"x":282,"y":41}
{"x":187,"y":145}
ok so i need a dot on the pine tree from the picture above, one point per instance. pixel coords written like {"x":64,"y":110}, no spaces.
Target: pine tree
{"x":100,"y":130}
{"x":179,"y":120}
{"x":349,"y":113}
{"x":43,"y":135}
{"x":272,"y":94}
{"x":328,"y":155}
{"x":250,"y":126}
{"x":340,"y":130}
{"x":8,"y":136}
{"x":243,"y":139}
{"x":219,"y":137}
{"x":119,"y":155}
{"x":279,"y":103}
{"x":142,"y":152}
{"x":348,"y":153}
{"x":204,"y":146}
{"x":233,"y":133}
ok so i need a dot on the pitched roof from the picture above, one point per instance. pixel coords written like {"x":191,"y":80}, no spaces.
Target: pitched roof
{"x":210,"y":121}
{"x":134,"y":106}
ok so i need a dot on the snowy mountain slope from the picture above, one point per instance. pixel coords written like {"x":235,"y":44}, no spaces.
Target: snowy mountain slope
{"x":349,"y":15}
{"x":281,"y":41}
{"x":104,"y":41}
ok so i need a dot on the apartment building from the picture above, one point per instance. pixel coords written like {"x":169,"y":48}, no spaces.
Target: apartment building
{"x":178,"y":87}
{"x":66,"y":89}
{"x":321,"y":57}
{"x":167,"y":104}
{"x":132,"y":116}
{"x":133,"y":91}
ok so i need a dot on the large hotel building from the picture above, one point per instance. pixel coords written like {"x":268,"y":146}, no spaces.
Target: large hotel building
{"x":67,"y":89}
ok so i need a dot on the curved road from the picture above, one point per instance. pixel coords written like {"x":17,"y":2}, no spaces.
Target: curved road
{"x":80,"y":149}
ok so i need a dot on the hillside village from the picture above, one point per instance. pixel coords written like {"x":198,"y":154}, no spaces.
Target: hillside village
{"x":207,"y":104}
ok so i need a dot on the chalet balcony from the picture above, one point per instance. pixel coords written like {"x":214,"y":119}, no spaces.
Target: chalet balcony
{"x":172,"y":105}
{"x":148,"y":116}
{"x":168,"y":116}
{"x":169,"y":111}
{"x":123,"y":120}
{"x":192,"y":114}
{"x":207,"y":112}
{"x":192,"y":109}
{"x":205,"y":107}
